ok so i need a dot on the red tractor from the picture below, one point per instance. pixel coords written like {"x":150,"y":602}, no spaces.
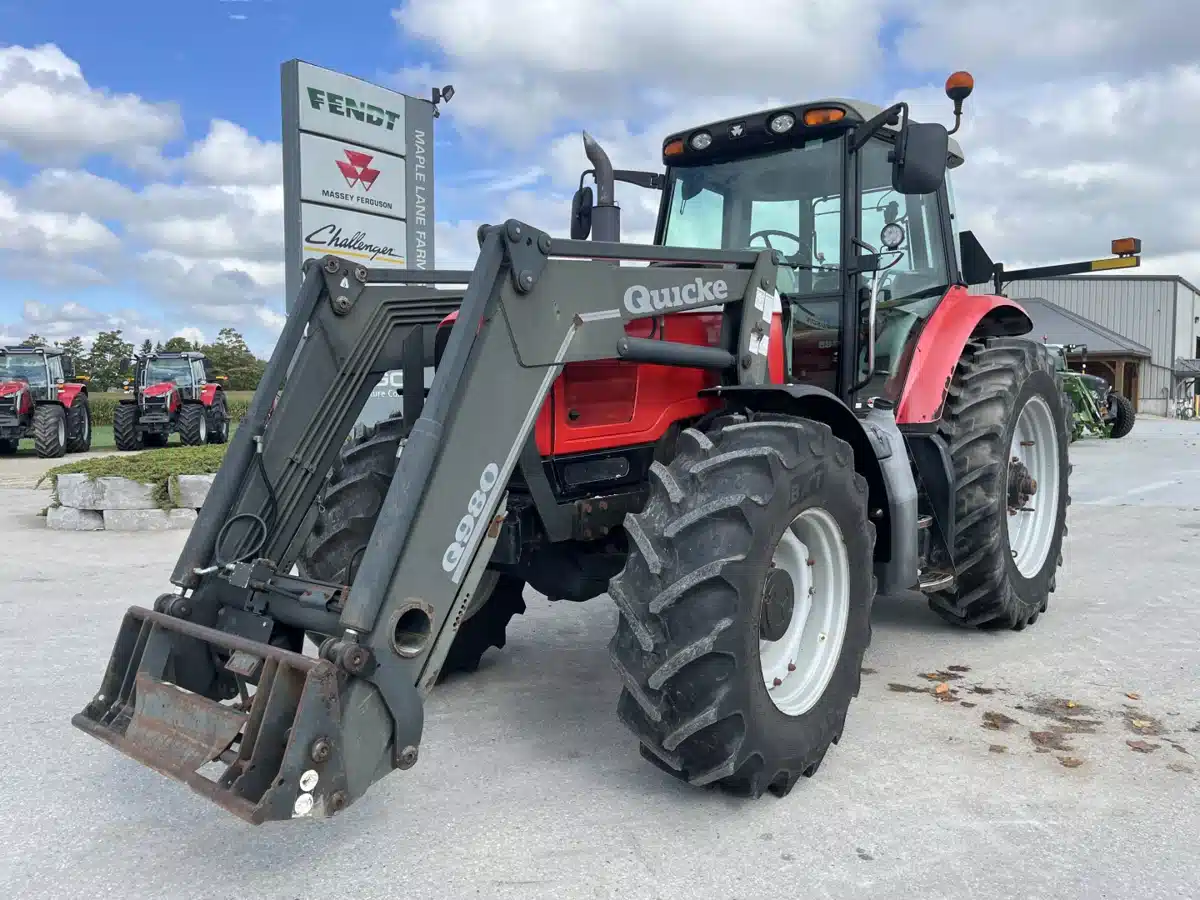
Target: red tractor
{"x":742,"y":445}
{"x":171,"y":392}
{"x":41,"y":398}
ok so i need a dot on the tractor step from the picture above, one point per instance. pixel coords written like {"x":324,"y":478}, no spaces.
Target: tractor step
{"x":280,"y":745}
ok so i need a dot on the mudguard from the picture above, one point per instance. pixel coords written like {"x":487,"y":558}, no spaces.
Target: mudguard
{"x":879,"y":456}
{"x":959,"y":317}
{"x":67,"y":393}
{"x":208,"y":393}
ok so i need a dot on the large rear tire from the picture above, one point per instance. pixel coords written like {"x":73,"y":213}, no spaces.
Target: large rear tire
{"x":1005,"y":401}
{"x":723,"y":684}
{"x":218,"y":420}
{"x":49,"y":430}
{"x":1123,"y":417}
{"x":79,"y":425}
{"x":126,"y":434}
{"x":347,"y":509}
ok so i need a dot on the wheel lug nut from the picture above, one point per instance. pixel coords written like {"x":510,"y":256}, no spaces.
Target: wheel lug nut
{"x":777,"y":682}
{"x":791,"y":667}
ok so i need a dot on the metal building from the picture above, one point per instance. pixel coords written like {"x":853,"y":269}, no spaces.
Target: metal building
{"x":1160,"y":313}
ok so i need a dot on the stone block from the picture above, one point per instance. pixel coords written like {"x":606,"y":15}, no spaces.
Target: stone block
{"x":148,"y":519}
{"x":189,"y":491}
{"x":68,"y":518}
{"x":106,"y":492}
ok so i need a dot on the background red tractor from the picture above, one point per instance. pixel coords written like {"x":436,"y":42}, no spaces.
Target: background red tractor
{"x":171,"y":392}
{"x":41,"y":399}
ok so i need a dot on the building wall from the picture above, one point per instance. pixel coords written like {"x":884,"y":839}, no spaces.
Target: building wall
{"x":1187,"y":308}
{"x":1141,"y":309}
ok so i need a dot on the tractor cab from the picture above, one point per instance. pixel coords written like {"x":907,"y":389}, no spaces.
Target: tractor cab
{"x":36,"y":368}
{"x":855,"y":200}
{"x":185,"y":371}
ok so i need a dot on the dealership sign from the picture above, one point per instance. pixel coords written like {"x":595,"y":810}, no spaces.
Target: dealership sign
{"x":357,"y":183}
{"x":357,"y":172}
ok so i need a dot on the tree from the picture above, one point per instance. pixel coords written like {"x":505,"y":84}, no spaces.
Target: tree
{"x":179,"y":345}
{"x":147,"y":347}
{"x":108,"y":359}
{"x":158,"y":347}
{"x":35,"y":340}
{"x":232,"y":357}
{"x":73,"y":347}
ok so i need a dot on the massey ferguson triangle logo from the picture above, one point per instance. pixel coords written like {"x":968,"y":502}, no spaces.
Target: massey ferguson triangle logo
{"x":356,"y":169}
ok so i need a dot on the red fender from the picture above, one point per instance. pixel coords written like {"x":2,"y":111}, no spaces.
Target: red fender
{"x":208,"y":393}
{"x":940,"y":345}
{"x":69,"y":391}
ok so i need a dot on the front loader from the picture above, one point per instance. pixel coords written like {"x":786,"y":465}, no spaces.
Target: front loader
{"x":741,"y":446}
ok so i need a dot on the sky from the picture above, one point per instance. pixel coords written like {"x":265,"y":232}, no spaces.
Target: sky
{"x":140,"y":170}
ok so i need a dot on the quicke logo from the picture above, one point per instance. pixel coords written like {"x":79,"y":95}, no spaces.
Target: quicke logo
{"x":640,"y":299}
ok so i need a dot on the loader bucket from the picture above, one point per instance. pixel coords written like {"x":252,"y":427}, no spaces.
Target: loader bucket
{"x":276,"y":751}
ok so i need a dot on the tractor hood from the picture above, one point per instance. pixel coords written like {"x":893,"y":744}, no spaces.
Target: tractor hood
{"x":7,"y":388}
{"x":1097,"y":385}
{"x":159,"y":390}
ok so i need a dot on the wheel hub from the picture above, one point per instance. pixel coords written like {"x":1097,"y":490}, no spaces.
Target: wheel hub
{"x":779,"y":602}
{"x":1021,"y":486}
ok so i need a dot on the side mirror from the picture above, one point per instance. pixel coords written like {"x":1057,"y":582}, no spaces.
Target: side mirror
{"x":919,"y":162}
{"x":68,"y":365}
{"x":581,"y":213}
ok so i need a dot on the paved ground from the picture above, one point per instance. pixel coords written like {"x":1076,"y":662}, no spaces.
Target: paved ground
{"x":24,"y":471}
{"x":528,"y":787}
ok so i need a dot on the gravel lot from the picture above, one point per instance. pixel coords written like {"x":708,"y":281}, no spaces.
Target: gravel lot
{"x":529,"y":788}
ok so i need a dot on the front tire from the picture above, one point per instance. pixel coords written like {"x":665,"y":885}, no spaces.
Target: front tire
{"x":126,"y":434}
{"x":1123,"y":417}
{"x":703,"y":691}
{"x":49,"y":430}
{"x":193,"y":424}
{"x":79,"y":426}
{"x":1005,"y":401}
{"x":347,"y":510}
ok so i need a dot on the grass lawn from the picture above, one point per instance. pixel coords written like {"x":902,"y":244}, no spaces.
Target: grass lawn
{"x":102,"y":439}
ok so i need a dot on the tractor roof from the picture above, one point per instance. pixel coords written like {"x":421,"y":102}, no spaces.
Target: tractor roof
{"x":23,"y":349}
{"x":856,"y":111}
{"x":173,"y":354}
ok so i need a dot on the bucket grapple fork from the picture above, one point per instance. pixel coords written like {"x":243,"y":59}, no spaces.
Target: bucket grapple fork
{"x":216,"y":673}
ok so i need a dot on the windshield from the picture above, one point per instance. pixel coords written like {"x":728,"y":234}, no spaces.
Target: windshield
{"x":26,"y":366}
{"x":778,"y":201}
{"x":176,"y":370}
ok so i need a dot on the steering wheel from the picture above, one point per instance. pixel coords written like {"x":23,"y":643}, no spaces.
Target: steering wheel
{"x":781,"y":233}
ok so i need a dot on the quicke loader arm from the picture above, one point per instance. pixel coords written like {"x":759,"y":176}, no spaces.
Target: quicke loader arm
{"x":214,"y":674}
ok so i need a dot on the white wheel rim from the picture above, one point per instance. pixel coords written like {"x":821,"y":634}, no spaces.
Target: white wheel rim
{"x":203,"y":425}
{"x":797,"y":668}
{"x":61,"y":431}
{"x":87,"y":425}
{"x":1031,"y":529}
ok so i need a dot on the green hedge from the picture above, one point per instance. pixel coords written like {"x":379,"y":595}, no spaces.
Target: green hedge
{"x":103,"y":404}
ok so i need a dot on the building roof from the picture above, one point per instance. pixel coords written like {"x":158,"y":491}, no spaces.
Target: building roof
{"x":1122,"y":276}
{"x":1055,"y":325}
{"x":1186,"y":368}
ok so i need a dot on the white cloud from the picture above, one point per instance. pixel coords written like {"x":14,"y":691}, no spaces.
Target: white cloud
{"x":231,"y":155}
{"x":519,"y":67}
{"x":50,"y":114}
